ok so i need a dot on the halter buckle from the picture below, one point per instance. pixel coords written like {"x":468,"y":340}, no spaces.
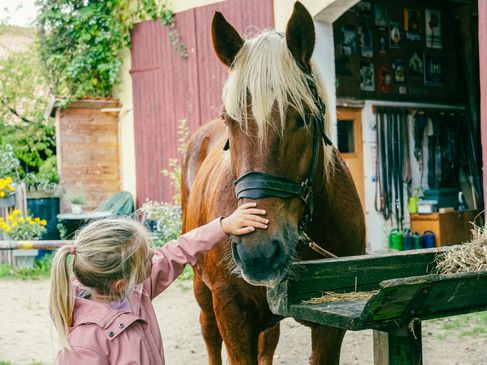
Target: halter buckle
{"x":307,"y":190}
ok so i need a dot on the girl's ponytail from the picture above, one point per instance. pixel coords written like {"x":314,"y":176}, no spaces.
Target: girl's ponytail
{"x":61,"y":300}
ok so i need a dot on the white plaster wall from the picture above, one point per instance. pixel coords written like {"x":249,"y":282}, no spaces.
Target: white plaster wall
{"x":324,"y":63}
{"x":123,"y":91}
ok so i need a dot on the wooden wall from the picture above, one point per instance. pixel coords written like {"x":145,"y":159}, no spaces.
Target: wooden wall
{"x":88,"y":151}
{"x":168,"y":87}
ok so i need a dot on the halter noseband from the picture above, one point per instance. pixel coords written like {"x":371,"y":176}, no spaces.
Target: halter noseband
{"x":257,"y":184}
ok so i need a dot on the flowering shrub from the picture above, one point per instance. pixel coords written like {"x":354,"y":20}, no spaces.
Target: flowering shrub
{"x":9,"y":163}
{"x":6,"y":187}
{"x":18,"y":227}
{"x":167,"y":221}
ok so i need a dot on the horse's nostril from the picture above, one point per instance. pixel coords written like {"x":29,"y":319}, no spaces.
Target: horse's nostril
{"x":235,"y":253}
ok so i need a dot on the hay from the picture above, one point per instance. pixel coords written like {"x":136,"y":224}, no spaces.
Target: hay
{"x":332,"y":297}
{"x":468,"y":257}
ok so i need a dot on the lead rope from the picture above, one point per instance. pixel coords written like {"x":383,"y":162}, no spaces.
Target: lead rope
{"x":314,"y":246}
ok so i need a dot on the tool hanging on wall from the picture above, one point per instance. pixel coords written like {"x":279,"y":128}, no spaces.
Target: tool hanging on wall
{"x":392,"y":165}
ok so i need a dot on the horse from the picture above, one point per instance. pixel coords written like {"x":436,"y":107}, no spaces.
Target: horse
{"x":269,"y":146}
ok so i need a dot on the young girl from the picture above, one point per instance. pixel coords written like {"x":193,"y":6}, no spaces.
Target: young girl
{"x":105,"y":316}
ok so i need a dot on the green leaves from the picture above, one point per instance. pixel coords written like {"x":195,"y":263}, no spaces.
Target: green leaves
{"x":81,"y":40}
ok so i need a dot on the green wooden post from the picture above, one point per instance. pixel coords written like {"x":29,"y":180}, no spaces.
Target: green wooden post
{"x":401,"y":346}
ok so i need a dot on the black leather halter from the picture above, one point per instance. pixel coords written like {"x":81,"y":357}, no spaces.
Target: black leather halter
{"x":257,"y":184}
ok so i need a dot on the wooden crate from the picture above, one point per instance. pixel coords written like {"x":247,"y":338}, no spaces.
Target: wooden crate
{"x":449,"y":227}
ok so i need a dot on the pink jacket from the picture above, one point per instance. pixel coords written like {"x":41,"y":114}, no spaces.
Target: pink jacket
{"x":101,"y":335}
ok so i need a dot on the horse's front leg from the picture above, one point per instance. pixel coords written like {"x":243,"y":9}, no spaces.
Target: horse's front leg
{"x":326,"y":343}
{"x":209,"y":328}
{"x":267,"y":344}
{"x":237,"y":328}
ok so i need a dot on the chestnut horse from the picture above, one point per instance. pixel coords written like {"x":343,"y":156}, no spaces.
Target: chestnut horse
{"x":279,"y":156}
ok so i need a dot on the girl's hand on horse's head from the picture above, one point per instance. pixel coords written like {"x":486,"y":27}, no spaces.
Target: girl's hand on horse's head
{"x":245,"y":219}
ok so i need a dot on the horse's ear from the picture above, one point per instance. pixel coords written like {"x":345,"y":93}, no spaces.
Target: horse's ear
{"x":300,"y":35}
{"x":226,"y":40}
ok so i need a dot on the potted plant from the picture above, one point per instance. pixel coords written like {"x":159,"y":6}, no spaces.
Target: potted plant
{"x":77,"y":202}
{"x":20,"y":227}
{"x":43,"y":195}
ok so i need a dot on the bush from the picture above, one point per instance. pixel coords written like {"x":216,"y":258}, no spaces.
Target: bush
{"x":165,"y":219}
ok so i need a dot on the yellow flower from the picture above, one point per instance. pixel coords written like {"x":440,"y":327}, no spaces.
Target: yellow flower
{"x":14,"y":224}
{"x":32,"y":222}
{"x":16,"y":212}
{"x":37,"y":219}
{"x":8,"y":179}
{"x":43,"y":222}
{"x":29,"y":219}
{"x":2,"y":194}
{"x":11,"y":217}
{"x":8,"y":229}
{"x":11,"y":188}
{"x":21,"y":219}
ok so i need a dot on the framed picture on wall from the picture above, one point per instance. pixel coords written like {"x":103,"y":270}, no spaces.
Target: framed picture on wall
{"x":399,"y":70}
{"x":366,"y":42}
{"x":415,"y":65}
{"x":367,"y":77}
{"x":381,"y":17}
{"x":363,"y":10}
{"x":349,"y":46}
{"x":385,"y":79}
{"x":433,"y":70}
{"x":433,"y":28}
{"x":394,"y":35}
{"x":412,"y":25}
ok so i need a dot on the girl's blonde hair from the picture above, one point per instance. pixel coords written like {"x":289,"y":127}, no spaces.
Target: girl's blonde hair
{"x":104,"y":251}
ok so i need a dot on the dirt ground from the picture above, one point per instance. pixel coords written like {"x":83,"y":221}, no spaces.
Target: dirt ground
{"x":27,"y":337}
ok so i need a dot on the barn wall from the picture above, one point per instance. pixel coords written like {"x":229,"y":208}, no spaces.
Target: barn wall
{"x":94,"y":170}
{"x":168,"y":88}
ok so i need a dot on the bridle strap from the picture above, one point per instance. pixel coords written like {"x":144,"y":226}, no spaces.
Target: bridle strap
{"x":258,"y":184}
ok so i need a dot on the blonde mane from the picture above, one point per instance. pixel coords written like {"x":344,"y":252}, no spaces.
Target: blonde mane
{"x":265,"y":70}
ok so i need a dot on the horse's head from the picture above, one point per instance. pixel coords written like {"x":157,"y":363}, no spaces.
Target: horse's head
{"x":274,"y":112}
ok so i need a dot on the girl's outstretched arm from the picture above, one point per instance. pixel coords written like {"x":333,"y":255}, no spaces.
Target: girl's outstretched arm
{"x":169,"y":261}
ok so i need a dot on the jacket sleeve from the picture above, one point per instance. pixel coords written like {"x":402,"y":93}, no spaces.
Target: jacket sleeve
{"x":80,"y":355}
{"x":169,"y":261}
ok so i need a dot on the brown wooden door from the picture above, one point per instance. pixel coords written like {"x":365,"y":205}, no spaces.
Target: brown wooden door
{"x":349,"y":141}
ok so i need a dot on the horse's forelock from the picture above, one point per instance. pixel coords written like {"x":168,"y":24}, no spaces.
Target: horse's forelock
{"x":264,"y":77}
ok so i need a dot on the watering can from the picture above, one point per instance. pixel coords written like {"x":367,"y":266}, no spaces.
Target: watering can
{"x":429,"y":239}
{"x":395,"y":240}
{"x":407,"y":239}
{"x":417,"y":240}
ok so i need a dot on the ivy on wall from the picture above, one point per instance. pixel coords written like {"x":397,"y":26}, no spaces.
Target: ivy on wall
{"x":80,"y":41}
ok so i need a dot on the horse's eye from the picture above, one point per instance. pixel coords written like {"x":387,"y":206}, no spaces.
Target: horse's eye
{"x":300,"y":122}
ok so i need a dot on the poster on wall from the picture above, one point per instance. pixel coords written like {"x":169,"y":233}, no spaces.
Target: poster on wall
{"x":412,"y":25}
{"x":385,"y":79}
{"x":382,"y":42}
{"x":364,"y":11}
{"x":415,"y":66}
{"x":366,"y":43}
{"x":348,"y":40}
{"x":367,"y":77}
{"x":381,"y":17}
{"x":399,"y":70}
{"x":394,"y":35}
{"x":433,"y":28}
{"x":433,"y":70}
